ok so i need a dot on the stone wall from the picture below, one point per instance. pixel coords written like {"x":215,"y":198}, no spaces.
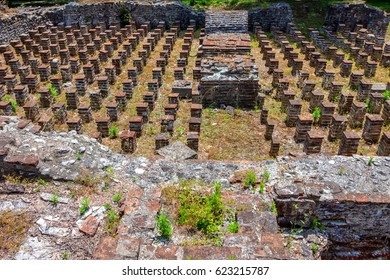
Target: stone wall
{"x":276,"y":15}
{"x":140,"y":12}
{"x":353,"y":214}
{"x":28,"y":18}
{"x":374,"y":19}
{"x":11,"y":26}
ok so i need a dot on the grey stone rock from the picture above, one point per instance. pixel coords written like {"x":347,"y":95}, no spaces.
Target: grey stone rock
{"x":177,"y":151}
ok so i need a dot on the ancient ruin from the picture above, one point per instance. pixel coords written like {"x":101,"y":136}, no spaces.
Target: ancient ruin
{"x":109,"y":111}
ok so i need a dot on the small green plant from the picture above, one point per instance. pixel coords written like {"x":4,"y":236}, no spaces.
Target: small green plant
{"x":84,"y":205}
{"x":107,"y":206}
{"x":316,"y":224}
{"x":113,"y":220}
{"x":231,"y":258}
{"x":204,"y":212}
{"x":53,"y":91}
{"x":124,"y":14}
{"x":250,"y":179}
{"x":314,"y":248}
{"x":54,"y":199}
{"x":110,"y":171}
{"x":273,"y":208}
{"x":233,"y":227}
{"x":295,"y":229}
{"x":113,"y":131}
{"x":341,"y":171}
{"x":266,"y":175}
{"x":262,"y":187}
{"x":180,"y":131}
{"x":13,"y":103}
{"x":42,"y":182}
{"x":370,"y":161}
{"x":316,"y":114}
{"x":386,"y":94}
{"x":133,"y":179}
{"x":369,"y":105}
{"x":65,"y":256}
{"x":116,"y":198}
{"x":164,"y":226}
{"x":38,"y":189}
{"x":78,"y":156}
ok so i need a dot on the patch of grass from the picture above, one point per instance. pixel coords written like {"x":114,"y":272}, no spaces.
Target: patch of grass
{"x":113,"y":220}
{"x":233,"y":227}
{"x":370,"y":161}
{"x":53,"y":91}
{"x":124,"y":14}
{"x":54,"y":199}
{"x":116,"y":198}
{"x":13,"y":103}
{"x":206,"y":213}
{"x":113,"y":131}
{"x":273,"y":208}
{"x":64,"y":256}
{"x":262,"y":187}
{"x":316,"y":114}
{"x":87,"y":179}
{"x":42,"y":182}
{"x":250,"y":179}
{"x":266,"y":176}
{"x":316,"y":224}
{"x":369,"y":105}
{"x":386,"y":95}
{"x":107,"y":206}
{"x":314,"y":248}
{"x":13,"y":230}
{"x":84,"y":205}
{"x":78,"y":156}
{"x":109,"y":171}
{"x":164,"y":226}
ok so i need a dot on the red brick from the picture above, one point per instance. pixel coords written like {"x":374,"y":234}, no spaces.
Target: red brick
{"x":90,"y":225}
{"x":106,"y":248}
{"x":166,"y":253}
{"x":23,"y":123}
{"x":153,"y":205}
{"x":132,"y":204}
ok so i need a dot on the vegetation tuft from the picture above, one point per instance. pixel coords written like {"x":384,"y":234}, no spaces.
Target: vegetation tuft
{"x":164,"y":226}
{"x":112,"y":223}
{"x":205,"y":212}
{"x":250,"y":179}
{"x":84,"y":205}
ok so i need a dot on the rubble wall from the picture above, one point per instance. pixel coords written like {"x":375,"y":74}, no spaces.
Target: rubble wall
{"x":12,"y":25}
{"x":374,"y":19}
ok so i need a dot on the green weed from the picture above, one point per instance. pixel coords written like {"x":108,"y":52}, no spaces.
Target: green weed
{"x":233,"y":227}
{"x":250,"y":179}
{"x":113,"y":131}
{"x":316,"y":114}
{"x":164,"y":226}
{"x":116,"y":198}
{"x":54,"y":199}
{"x":113,"y":220}
{"x":206,"y":213}
{"x":84,"y":205}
